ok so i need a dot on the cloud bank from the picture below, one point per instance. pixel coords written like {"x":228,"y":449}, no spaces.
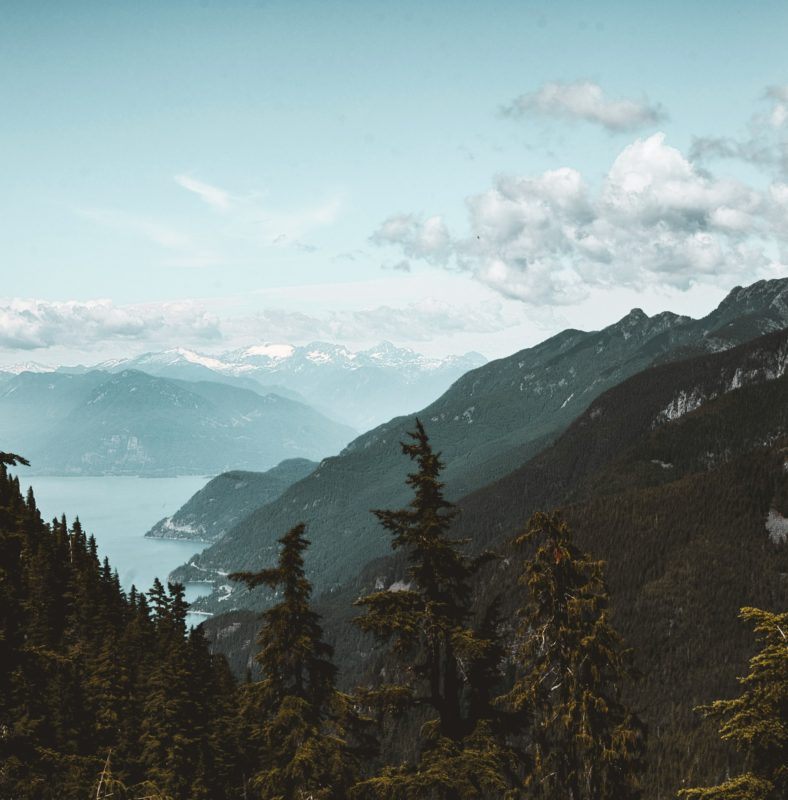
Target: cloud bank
{"x":28,"y":325}
{"x":40,"y":324}
{"x":655,"y":220}
{"x":588,"y":102}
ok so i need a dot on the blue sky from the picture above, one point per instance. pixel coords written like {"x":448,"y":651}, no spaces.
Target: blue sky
{"x":443,"y":174}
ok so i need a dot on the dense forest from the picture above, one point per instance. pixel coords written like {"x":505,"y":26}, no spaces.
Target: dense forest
{"x":473,"y":694}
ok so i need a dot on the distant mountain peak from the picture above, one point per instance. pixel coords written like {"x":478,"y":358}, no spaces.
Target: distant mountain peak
{"x":270,"y":350}
{"x":27,"y":366}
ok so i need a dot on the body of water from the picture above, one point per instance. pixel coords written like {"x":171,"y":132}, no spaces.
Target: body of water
{"x":118,"y":511}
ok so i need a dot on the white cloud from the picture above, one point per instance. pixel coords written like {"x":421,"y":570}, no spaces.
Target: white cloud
{"x":218,"y":198}
{"x":765,"y":142}
{"x":100,"y":326}
{"x":419,"y":238}
{"x":249,"y":215}
{"x":41,"y":324}
{"x":237,"y":229}
{"x":587,"y":101}
{"x":656,"y":221}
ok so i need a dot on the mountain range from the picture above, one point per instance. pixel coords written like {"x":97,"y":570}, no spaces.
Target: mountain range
{"x":133,"y":423}
{"x":488,"y":424}
{"x":358,"y":388}
{"x":677,"y":477}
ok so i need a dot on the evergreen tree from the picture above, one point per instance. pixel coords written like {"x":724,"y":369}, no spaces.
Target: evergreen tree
{"x":86,"y":670}
{"x":301,"y":726}
{"x":585,"y":744}
{"x":449,"y":665}
{"x":756,"y":722}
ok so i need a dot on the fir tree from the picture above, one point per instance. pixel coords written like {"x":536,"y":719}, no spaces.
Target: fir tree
{"x":585,"y":744}
{"x":756,"y":722}
{"x":300,"y":724}
{"x":449,"y":665}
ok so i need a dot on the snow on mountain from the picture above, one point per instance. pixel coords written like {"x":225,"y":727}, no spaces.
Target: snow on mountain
{"x":359,"y":388}
{"x":26,"y":366}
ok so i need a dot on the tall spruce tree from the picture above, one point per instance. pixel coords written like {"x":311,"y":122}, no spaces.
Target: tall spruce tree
{"x":448,"y":664}
{"x":585,"y":743}
{"x":756,"y":722}
{"x":301,"y":727}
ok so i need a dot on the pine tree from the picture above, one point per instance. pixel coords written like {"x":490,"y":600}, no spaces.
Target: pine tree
{"x":301,"y":725}
{"x":172,"y":709}
{"x":585,"y":743}
{"x":756,"y":722}
{"x":86,"y":669}
{"x":447,"y":661}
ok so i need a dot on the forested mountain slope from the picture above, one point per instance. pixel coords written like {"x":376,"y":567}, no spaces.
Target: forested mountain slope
{"x":227,"y":499}
{"x":489,"y":423}
{"x":689,"y":510}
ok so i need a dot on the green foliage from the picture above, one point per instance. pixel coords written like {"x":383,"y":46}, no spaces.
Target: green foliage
{"x":756,"y":722}
{"x":87,"y":669}
{"x":447,"y":663}
{"x":585,"y":743}
{"x":226,"y":499}
{"x":473,"y":768}
{"x":305,"y":739}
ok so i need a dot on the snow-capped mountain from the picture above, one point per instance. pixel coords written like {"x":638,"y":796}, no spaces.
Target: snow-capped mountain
{"x":26,"y":366}
{"x":360,"y":388}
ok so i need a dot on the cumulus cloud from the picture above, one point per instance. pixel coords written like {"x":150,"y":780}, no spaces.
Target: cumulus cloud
{"x":765,"y":142}
{"x":655,"y":220}
{"x":418,"y":238}
{"x":40,"y":324}
{"x":587,"y":101}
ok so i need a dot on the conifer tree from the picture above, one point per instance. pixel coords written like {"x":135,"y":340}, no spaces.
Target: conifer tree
{"x":756,"y":722}
{"x":585,"y":744}
{"x":301,"y":725}
{"x":447,"y":662}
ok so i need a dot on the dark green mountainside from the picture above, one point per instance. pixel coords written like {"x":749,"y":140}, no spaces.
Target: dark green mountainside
{"x":688,"y":509}
{"x":227,"y":499}
{"x":488,"y":424}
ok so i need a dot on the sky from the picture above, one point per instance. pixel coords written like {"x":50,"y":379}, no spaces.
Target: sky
{"x":448,"y":176}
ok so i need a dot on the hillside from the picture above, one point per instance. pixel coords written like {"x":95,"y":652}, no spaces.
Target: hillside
{"x":227,"y":499}
{"x":132,"y":423}
{"x":489,"y":423}
{"x":687,"y":505}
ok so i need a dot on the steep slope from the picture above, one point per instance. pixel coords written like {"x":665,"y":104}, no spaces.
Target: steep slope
{"x":133,"y":423}
{"x":226,"y":499}
{"x":689,"y":510}
{"x":622,"y":438}
{"x":490,"y":422}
